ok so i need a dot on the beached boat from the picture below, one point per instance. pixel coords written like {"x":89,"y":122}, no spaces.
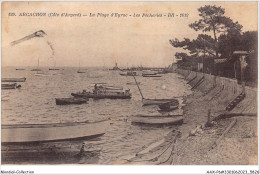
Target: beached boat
{"x":166,"y":121}
{"x":144,"y":75}
{"x":65,"y":152}
{"x":158,"y":116}
{"x":128,"y":74}
{"x":157,"y":101}
{"x":39,"y":133}
{"x":10,"y":86}
{"x":148,"y":73}
{"x":68,"y":101}
{"x":169,"y":106}
{"x":13,"y":79}
{"x":51,"y":143}
{"x":105,"y":91}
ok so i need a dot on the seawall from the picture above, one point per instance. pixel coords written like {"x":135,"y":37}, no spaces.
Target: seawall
{"x":216,"y":94}
{"x":220,"y":91}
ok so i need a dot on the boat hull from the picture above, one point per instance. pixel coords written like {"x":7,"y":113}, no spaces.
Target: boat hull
{"x":54,"y":69}
{"x":157,"y":116}
{"x":169,"y":106}
{"x":41,"y":133}
{"x":51,"y":153}
{"x":162,"y":121}
{"x":152,"y":76}
{"x":13,"y":79}
{"x":10,"y":86}
{"x":91,"y":95}
{"x":68,"y":101}
{"x":156,"y":101}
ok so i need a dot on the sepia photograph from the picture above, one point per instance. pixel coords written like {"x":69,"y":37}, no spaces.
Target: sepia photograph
{"x":129,"y":83}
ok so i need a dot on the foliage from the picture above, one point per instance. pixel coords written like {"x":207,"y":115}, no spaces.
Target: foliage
{"x":211,"y":19}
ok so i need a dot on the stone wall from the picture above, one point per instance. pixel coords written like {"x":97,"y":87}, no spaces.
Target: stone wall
{"x":220,"y":91}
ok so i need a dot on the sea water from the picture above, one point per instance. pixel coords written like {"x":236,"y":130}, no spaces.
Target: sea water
{"x":34,"y":103}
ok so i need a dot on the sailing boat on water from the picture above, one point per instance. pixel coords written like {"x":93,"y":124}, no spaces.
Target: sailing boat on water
{"x":80,"y":71}
{"x":37,"y":69}
{"x":155,"y":101}
{"x":39,"y":72}
{"x":54,"y":68}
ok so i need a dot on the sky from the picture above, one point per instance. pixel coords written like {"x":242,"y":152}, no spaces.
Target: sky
{"x":98,"y":41}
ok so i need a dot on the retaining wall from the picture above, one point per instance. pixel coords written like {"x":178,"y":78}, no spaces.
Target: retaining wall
{"x":220,"y":91}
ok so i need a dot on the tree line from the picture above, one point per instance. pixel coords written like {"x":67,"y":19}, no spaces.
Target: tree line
{"x":221,"y":37}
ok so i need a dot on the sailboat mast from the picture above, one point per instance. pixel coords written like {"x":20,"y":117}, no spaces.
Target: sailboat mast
{"x":38,"y":65}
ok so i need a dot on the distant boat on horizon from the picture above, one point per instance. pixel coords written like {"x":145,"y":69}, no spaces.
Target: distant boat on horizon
{"x":54,"y":68}
{"x":80,"y":71}
{"x":37,"y":69}
{"x":39,"y":72}
{"x":19,"y":69}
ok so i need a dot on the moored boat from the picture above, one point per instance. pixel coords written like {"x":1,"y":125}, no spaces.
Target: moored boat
{"x":105,"y":91}
{"x":10,"y":86}
{"x":129,"y":73}
{"x":65,"y":152}
{"x":13,"y":79}
{"x":155,"y":75}
{"x":19,"y":69}
{"x":158,"y":116}
{"x":157,"y":101}
{"x":54,"y":69}
{"x":150,"y":74}
{"x":169,"y":106}
{"x":166,"y":121}
{"x":51,"y":143}
{"x":39,"y":133}
{"x":36,"y":70}
{"x":132,"y":83}
{"x":68,"y":101}
{"x":80,"y":72}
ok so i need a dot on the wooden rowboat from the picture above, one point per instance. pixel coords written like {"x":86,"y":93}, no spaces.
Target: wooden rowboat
{"x":39,"y":133}
{"x":10,"y":86}
{"x":156,"y":101}
{"x":68,"y":101}
{"x":152,"y":75}
{"x":169,"y":106}
{"x":13,"y":79}
{"x":157,"y":116}
{"x":157,"y":121}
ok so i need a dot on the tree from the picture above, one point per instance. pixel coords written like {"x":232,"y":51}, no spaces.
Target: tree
{"x":201,"y":45}
{"x":212,"y":19}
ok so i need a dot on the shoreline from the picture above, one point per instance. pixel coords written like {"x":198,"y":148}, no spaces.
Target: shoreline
{"x":195,"y":146}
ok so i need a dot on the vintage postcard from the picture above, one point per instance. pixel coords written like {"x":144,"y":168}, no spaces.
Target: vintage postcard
{"x":129,"y":83}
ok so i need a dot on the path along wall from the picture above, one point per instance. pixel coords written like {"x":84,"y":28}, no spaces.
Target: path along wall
{"x":220,"y":91}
